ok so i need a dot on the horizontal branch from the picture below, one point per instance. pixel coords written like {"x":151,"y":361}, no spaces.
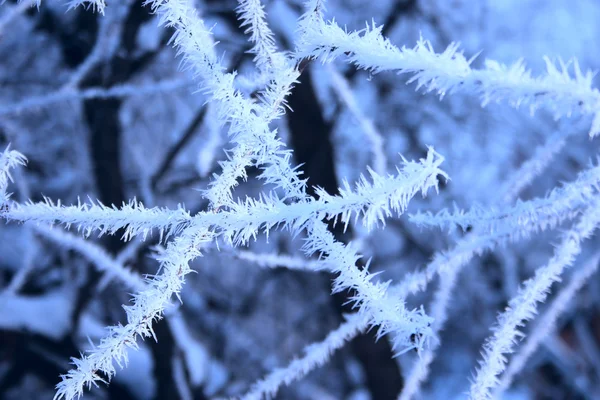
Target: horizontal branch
{"x":559,"y":90}
{"x":541,"y":213}
{"x":90,"y":217}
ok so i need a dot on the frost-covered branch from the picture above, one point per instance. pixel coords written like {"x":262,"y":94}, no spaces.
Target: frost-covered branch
{"x":255,"y":143}
{"x":249,"y":116}
{"x":8,"y":159}
{"x":477,"y":242}
{"x":523,"y":307}
{"x":409,"y":329}
{"x":537,"y":214}
{"x":113,"y":268}
{"x":547,"y":322}
{"x":133,"y":217}
{"x":543,"y":156}
{"x":253,"y":18}
{"x":94,"y":253}
{"x":373,"y":201}
{"x":148,"y":306}
{"x":95,"y":5}
{"x":559,"y":90}
{"x":315,"y":355}
{"x":449,"y":265}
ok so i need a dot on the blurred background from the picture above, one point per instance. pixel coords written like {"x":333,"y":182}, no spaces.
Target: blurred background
{"x":102,"y":110}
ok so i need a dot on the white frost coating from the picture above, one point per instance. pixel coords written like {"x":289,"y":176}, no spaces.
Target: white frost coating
{"x":523,"y":307}
{"x":560,"y":204}
{"x":148,"y":306}
{"x":315,"y":355}
{"x":8,"y":159}
{"x":547,"y":322}
{"x":561,"y":91}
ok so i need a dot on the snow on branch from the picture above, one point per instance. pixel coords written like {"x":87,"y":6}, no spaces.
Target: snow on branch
{"x":523,"y":307}
{"x":564,"y":89}
{"x":47,"y":314}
